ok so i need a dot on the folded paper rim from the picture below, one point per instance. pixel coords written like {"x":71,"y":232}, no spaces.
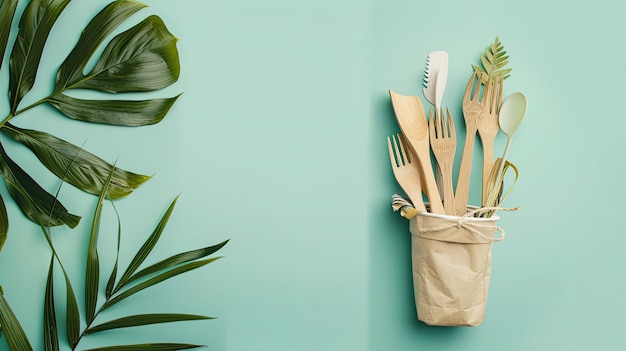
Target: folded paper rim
{"x":452,"y":217}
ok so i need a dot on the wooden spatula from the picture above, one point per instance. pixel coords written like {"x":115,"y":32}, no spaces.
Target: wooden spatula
{"x":414,"y":125}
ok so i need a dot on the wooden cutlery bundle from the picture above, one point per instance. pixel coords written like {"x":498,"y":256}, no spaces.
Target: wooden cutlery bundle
{"x":485,"y":112}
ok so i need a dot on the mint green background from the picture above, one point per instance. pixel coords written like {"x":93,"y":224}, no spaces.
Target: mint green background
{"x":278,"y":143}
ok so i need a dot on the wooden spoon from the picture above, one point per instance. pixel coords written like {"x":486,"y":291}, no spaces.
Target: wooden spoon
{"x":512,"y":114}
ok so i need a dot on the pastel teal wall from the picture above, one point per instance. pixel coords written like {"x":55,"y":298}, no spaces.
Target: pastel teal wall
{"x":278,"y":143}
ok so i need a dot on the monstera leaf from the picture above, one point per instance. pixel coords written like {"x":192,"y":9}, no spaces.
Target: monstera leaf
{"x":143,"y":58}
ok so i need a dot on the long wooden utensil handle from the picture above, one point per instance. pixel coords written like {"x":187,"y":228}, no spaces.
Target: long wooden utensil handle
{"x":488,"y":162}
{"x":448,"y":191}
{"x":430,"y":183}
{"x":465,"y":170}
{"x":493,"y":195}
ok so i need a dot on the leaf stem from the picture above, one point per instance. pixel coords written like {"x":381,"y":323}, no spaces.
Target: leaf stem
{"x":6,"y":120}
{"x":54,"y":251}
{"x":32,"y":105}
{"x":58,"y":259}
{"x":82,"y":333}
{"x":11,"y":115}
{"x":89,"y":324}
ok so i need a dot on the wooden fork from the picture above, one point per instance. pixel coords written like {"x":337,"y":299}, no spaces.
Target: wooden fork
{"x":443,"y":143}
{"x":405,"y":170}
{"x":414,"y":125}
{"x":473,"y":109}
{"x":488,"y":128}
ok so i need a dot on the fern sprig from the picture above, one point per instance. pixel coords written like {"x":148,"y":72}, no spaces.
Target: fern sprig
{"x":493,"y":61}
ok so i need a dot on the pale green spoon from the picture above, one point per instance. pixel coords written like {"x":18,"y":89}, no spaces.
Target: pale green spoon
{"x":511,"y":115}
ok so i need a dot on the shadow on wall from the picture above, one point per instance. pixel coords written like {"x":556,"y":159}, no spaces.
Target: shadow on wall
{"x":393,"y":318}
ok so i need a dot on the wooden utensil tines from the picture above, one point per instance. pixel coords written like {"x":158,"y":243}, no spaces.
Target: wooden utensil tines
{"x":488,"y":128}
{"x":414,"y":125}
{"x":443,"y":142}
{"x":474,"y":107}
{"x":435,"y":79}
{"x":406,"y":170}
{"x":512,"y":113}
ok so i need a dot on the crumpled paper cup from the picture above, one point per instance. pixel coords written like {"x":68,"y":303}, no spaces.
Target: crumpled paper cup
{"x":451,"y":267}
{"x":451,"y":258}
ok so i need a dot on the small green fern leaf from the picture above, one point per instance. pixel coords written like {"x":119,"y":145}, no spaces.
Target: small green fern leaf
{"x":493,"y":62}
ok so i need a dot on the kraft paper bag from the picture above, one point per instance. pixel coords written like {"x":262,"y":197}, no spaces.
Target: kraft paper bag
{"x":452,"y":266}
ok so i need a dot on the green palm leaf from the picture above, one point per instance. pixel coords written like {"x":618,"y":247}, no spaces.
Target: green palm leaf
{"x":4,"y":224}
{"x":116,"y":112}
{"x":111,"y":282}
{"x":72,"y":313}
{"x":179,"y":264}
{"x":7,"y":11}
{"x":176,"y":260}
{"x":157,"y":279}
{"x":148,"y":347}
{"x":72,"y":318}
{"x":75,"y":165}
{"x":37,"y":204}
{"x":50,"y":336}
{"x":34,"y":28}
{"x":143,"y":58}
{"x":147,"y":247}
{"x":145,"y":319}
{"x":98,"y":29}
{"x":493,"y":62}
{"x":92,"y":270}
{"x":16,"y":338}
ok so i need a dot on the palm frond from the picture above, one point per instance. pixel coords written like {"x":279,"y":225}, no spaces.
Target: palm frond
{"x":72,"y":317}
{"x":75,"y":165}
{"x":164,"y":270}
{"x":50,"y":336}
{"x":140,"y":59}
{"x":34,"y":28}
{"x":143,"y":58}
{"x":147,"y":247}
{"x":157,"y":279}
{"x":493,"y":62}
{"x":114,"y":112}
{"x":16,"y":337}
{"x":4,"y":224}
{"x":144,"y":319}
{"x":92,"y":269}
{"x":113,"y":276}
{"x":36,"y":203}
{"x":148,"y":347}
{"x":72,"y":312}
{"x":7,"y":11}
{"x":175,"y":260}
{"x":99,"y":28}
